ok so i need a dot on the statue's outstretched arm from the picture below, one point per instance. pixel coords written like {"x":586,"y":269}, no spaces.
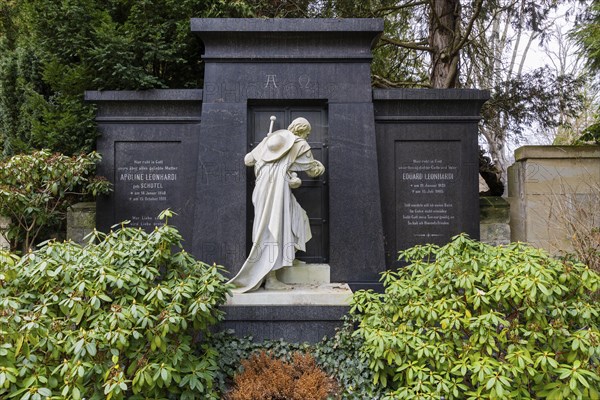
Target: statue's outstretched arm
{"x":316,"y":169}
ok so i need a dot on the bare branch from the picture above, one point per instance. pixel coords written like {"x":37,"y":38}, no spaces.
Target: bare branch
{"x":379,"y":81}
{"x":300,"y":9}
{"x":407,"y":45}
{"x":518,"y":42}
{"x":401,"y":7}
{"x":524,"y":56}
{"x":467,"y":33}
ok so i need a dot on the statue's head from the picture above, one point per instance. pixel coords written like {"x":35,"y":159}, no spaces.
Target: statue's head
{"x":300,"y":127}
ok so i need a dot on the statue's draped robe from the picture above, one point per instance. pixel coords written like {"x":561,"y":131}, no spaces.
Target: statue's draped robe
{"x":281,"y":226}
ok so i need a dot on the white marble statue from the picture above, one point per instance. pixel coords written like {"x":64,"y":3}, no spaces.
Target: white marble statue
{"x":281,"y":226}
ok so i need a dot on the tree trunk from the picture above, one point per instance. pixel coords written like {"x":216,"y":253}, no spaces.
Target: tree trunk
{"x":444,"y":21}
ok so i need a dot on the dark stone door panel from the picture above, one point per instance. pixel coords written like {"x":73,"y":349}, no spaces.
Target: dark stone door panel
{"x":313,"y":194}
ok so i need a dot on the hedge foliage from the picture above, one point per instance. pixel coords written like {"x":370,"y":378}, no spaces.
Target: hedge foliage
{"x":36,"y":189}
{"x":52,"y":51}
{"x":339,"y":356}
{"x":473,"y":321}
{"x":124,"y":318}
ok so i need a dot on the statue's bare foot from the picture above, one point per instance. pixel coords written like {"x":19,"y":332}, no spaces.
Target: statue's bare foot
{"x":272,"y":283}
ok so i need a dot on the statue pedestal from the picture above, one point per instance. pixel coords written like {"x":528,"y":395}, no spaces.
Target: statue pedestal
{"x":301,"y":273}
{"x":302,"y":313}
{"x":330,"y":294}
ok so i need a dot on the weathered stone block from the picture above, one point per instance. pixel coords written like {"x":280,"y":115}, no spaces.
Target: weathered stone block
{"x":495,"y":233}
{"x":494,"y":217}
{"x":81,"y":221}
{"x":305,"y":274}
{"x":494,"y":209}
{"x":555,"y":194}
{"x":4,"y":221}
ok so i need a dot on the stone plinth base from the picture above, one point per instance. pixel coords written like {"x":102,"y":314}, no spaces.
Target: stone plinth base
{"x":303,"y":313}
{"x":554,"y":193}
{"x":301,"y":273}
{"x":332,"y":294}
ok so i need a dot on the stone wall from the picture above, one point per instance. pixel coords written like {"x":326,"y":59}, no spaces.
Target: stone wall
{"x":428,"y":172}
{"x":81,"y":221}
{"x":149,"y":146}
{"x":281,"y":62}
{"x":554,"y":193}
{"x":494,"y":225}
{"x":3,"y":242}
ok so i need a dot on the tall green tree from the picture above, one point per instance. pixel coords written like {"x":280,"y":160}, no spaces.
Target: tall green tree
{"x":20,"y":80}
{"x":422,"y":41}
{"x":480,"y":44}
{"x":587,"y":35}
{"x":51,"y":52}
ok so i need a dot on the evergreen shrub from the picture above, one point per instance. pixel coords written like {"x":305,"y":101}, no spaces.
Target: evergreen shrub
{"x":473,"y":321}
{"x":36,"y":189}
{"x":126,"y":318}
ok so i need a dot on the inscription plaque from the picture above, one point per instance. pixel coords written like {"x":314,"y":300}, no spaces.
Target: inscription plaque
{"x":427,"y":149}
{"x":427,"y":192}
{"x":147,"y":181}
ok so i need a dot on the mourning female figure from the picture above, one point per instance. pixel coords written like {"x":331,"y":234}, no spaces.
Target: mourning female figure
{"x":281,"y":226}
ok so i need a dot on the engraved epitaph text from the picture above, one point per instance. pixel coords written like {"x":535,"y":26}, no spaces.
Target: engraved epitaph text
{"x":427,"y":192}
{"x":147,"y":181}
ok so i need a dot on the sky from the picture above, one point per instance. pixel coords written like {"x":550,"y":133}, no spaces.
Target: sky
{"x":558,"y":52}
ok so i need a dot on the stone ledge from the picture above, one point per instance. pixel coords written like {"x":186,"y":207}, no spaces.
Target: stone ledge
{"x":151,"y":95}
{"x":294,"y":313}
{"x":529,"y":152}
{"x":431,"y":94}
{"x":286,"y":25}
{"x":332,"y":294}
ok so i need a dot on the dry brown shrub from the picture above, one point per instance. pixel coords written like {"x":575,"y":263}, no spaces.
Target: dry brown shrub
{"x":574,"y":217}
{"x":264,"y":377}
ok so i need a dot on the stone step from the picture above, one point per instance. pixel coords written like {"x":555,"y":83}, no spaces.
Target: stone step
{"x":301,"y":313}
{"x":330,"y":294}
{"x":302,"y":273}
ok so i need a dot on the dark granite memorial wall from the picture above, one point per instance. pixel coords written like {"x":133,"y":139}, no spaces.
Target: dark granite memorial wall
{"x":149,"y":147}
{"x":428,"y":165}
{"x":312,"y":62}
{"x":402,"y":165}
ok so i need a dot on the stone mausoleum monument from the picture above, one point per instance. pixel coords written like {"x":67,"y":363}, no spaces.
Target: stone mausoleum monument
{"x":387,"y":168}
